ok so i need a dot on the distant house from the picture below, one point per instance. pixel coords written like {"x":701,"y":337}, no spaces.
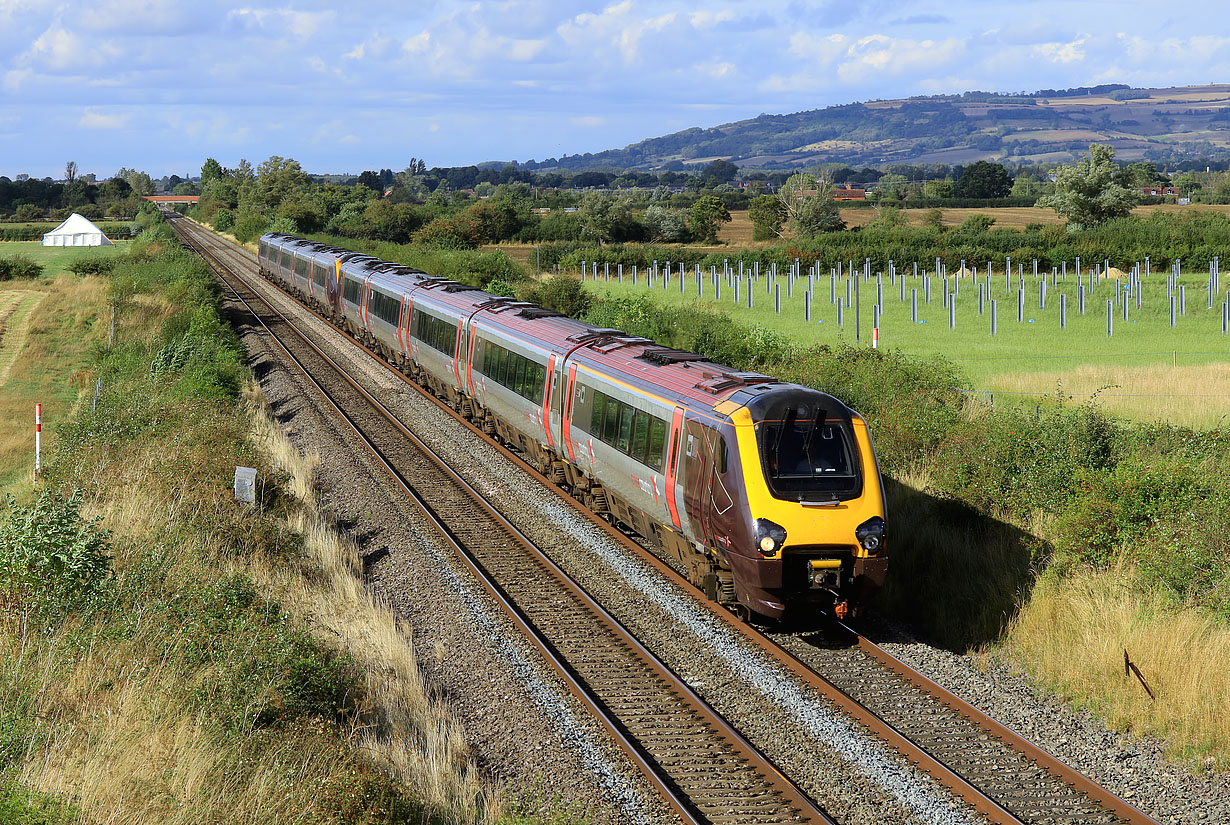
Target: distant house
{"x":847,"y":192}
{"x":1160,"y":191}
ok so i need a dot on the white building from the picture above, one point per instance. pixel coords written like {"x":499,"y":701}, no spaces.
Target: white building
{"x":76,"y":231}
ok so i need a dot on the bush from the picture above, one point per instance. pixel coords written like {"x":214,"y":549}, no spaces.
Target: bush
{"x":92,"y":265}
{"x":561,"y":293}
{"x":51,"y":559}
{"x":19,"y":266}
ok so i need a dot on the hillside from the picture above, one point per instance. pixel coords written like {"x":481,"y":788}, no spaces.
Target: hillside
{"x":1163,"y":125}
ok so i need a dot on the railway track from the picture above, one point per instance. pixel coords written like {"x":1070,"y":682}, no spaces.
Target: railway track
{"x":996,"y":771}
{"x":704,"y":769}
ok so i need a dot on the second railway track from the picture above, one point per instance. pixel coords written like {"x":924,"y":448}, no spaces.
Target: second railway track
{"x":1001,"y":775}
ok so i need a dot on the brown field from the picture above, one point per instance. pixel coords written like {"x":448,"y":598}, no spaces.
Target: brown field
{"x":738,"y":233}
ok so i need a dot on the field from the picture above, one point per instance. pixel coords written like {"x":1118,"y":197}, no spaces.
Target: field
{"x":1146,"y":369}
{"x":54,"y":259}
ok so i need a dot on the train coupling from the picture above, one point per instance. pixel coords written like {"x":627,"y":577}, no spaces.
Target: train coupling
{"x":824,"y":573}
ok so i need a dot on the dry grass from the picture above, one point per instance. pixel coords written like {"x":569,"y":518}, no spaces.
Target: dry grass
{"x":1189,"y":396}
{"x":413,"y":735}
{"x":118,"y":736}
{"x":1072,"y":635}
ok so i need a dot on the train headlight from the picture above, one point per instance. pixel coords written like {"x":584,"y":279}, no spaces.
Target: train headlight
{"x":870,"y":534}
{"x":769,"y":536}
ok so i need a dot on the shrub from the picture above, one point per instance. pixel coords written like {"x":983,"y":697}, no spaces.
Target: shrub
{"x":561,"y":293}
{"x":92,"y":265}
{"x":51,"y":559}
{"x":19,"y":266}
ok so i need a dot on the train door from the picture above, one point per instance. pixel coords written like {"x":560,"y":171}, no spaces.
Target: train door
{"x":709,"y":501}
{"x":334,"y":287}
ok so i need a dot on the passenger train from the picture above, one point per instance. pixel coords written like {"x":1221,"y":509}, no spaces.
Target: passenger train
{"x":767,"y":493}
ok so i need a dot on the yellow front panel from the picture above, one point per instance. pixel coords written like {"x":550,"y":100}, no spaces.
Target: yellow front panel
{"x":815,"y":524}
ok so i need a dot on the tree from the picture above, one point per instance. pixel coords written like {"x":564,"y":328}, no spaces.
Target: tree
{"x":70,"y":171}
{"x":768,"y":216}
{"x":720,"y":171}
{"x":706,"y":217}
{"x":607,"y":218}
{"x":1086,"y":194}
{"x":662,"y":224}
{"x":983,"y":180}
{"x":809,"y":206}
{"x":371,"y":180}
{"x":210,"y":171}
{"x":139,"y":182}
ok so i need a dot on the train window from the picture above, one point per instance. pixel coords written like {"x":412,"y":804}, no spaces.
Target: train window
{"x":434,"y":332}
{"x":610,"y":422}
{"x":318,"y":273}
{"x":640,"y":437}
{"x":301,"y":267}
{"x":264,"y":249}
{"x":626,"y":414}
{"x":286,"y":259}
{"x":351,"y":291}
{"x":517,"y":377}
{"x":720,"y":457}
{"x":597,"y":413}
{"x":657,"y":443}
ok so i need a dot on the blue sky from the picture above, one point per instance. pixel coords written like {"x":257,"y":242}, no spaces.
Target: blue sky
{"x":160,"y":85}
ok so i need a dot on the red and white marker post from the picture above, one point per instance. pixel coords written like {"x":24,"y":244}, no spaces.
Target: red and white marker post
{"x":875,"y":337}
{"x":38,"y":440}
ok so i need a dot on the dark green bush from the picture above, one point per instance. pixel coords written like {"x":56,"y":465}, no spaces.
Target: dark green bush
{"x":19,"y":266}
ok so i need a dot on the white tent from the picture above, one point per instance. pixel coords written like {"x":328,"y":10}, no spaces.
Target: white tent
{"x":76,"y":231}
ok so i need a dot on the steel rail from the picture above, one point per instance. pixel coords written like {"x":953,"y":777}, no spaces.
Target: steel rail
{"x":682,"y":806}
{"x":949,"y":778}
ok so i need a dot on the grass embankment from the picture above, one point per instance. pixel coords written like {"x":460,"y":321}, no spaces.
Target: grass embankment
{"x":1006,"y":521}
{"x":166,"y":655}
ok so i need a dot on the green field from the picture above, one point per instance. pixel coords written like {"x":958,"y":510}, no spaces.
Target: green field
{"x":1146,"y":369}
{"x":54,"y":259}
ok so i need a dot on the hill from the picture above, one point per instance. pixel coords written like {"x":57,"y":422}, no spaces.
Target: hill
{"x":1167,"y":126}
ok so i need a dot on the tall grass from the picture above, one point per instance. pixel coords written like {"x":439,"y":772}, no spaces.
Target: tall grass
{"x":1072,"y":636}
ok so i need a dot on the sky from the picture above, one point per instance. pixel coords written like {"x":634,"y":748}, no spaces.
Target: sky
{"x":159,"y":85}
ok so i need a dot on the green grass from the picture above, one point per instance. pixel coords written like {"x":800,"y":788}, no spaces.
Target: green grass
{"x":55,"y":259}
{"x":1037,"y":346}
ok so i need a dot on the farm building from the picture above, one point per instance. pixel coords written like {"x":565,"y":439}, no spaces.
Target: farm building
{"x":76,"y":231}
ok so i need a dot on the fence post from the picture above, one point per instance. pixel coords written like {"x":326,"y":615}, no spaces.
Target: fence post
{"x":777,"y":298}
{"x":1110,"y":318}
{"x":1172,"y":311}
{"x":994,"y":316}
{"x":1020,"y":306}
{"x":38,"y":441}
{"x":1063,"y":311}
{"x":807,"y":306}
{"x":914,"y":306}
{"x":952,"y":314}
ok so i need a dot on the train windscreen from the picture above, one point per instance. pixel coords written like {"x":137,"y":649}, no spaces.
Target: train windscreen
{"x":808,"y":456}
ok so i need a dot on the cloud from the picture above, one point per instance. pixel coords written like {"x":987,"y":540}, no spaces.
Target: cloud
{"x":59,"y":50}
{"x":588,"y":121}
{"x":703,"y":20}
{"x":717,"y":69}
{"x":880,"y":55}
{"x":302,"y":24}
{"x":374,"y":46}
{"x":616,"y":25}
{"x":1071,"y":52}
{"x":91,"y":118}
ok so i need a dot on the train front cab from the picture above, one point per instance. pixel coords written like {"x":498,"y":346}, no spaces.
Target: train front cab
{"x":813,"y":534}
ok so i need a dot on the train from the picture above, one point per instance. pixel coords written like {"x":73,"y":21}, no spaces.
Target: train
{"x":768,"y":494}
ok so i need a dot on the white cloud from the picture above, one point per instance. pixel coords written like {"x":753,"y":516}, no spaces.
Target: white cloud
{"x":374,"y":46}
{"x":91,"y":118}
{"x":1070,"y":52}
{"x":588,"y":121}
{"x":703,"y":20}
{"x":617,"y":26}
{"x":716,"y":69}
{"x":419,"y":44}
{"x":879,"y":55}
{"x":57,"y":49}
{"x":302,"y":24}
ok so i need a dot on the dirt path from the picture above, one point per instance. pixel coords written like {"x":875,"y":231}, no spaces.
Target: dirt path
{"x":16,"y":307}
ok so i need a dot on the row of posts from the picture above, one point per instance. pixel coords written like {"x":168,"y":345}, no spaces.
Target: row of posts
{"x":740,"y":275}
